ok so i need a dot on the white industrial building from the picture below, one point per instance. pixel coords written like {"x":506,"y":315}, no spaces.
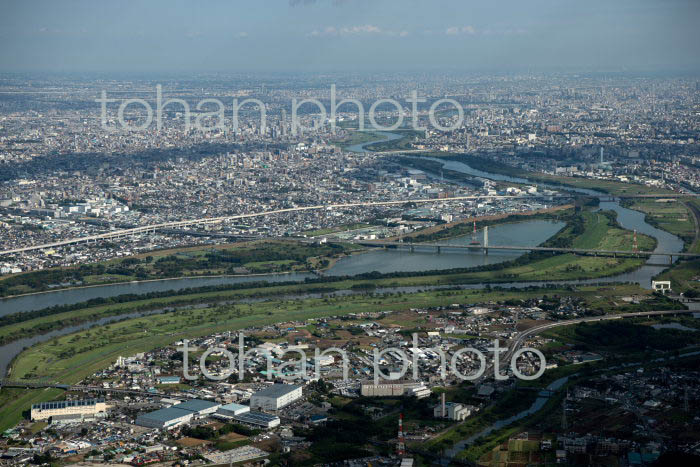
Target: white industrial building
{"x":258,"y":419}
{"x":661,"y":286}
{"x":383,"y":389}
{"x":231,"y":410}
{"x":453,"y":411}
{"x":394,"y":389}
{"x":418,"y":390}
{"x":84,"y":407}
{"x":275,"y":397}
{"x":323,"y":360}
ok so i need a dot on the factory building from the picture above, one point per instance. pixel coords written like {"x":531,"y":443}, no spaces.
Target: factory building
{"x":231,"y":410}
{"x":177,"y":414}
{"x":165,"y":418}
{"x":198,"y":407}
{"x":394,"y":389}
{"x":369,"y":389}
{"x":453,"y":411}
{"x":258,"y":419}
{"x":84,"y":408}
{"x":168,"y":380}
{"x":275,"y":397}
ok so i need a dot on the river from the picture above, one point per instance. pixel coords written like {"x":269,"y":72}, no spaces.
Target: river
{"x":627,"y":218}
{"x":362,"y":147}
{"x":525,"y":233}
{"x":535,"y":407}
{"x":539,"y":403}
{"x":529,"y":233}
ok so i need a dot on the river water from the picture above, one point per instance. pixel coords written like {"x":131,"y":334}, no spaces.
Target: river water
{"x":627,"y":218}
{"x":536,"y":406}
{"x":42,"y":300}
{"x":361,"y":147}
{"x":525,"y":233}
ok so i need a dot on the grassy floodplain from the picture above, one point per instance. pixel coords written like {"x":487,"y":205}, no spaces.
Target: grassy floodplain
{"x":360,"y":137}
{"x":595,"y":230}
{"x":71,"y":358}
{"x":672,"y":215}
{"x":254,"y":257}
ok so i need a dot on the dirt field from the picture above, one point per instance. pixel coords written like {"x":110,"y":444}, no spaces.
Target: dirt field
{"x":233,"y":437}
{"x":192,"y":442}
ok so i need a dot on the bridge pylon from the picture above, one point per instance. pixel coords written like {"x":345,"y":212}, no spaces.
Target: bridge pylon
{"x":486,"y":240}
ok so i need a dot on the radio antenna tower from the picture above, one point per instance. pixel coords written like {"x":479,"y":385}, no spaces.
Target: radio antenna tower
{"x":401,"y":445}
{"x":474,"y":243}
{"x":635,"y":245}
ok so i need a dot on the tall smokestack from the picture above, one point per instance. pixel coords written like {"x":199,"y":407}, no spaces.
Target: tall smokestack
{"x":444,"y":413}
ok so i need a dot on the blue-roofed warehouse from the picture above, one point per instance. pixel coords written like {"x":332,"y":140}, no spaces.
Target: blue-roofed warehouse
{"x":165,"y":418}
{"x":199,"y":406}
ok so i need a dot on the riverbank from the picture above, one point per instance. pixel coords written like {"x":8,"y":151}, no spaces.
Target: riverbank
{"x":610,"y":187}
{"x":672,"y":215}
{"x":259,"y":258}
{"x":360,"y":138}
{"x":464,"y":226}
{"x":628,"y":219}
{"x":70,"y":358}
{"x":583,"y":230}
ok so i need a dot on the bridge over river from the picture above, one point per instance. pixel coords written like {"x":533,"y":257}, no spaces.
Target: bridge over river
{"x":174,"y":227}
{"x":486,"y":247}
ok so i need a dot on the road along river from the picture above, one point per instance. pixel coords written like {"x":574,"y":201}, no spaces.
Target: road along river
{"x":529,"y":233}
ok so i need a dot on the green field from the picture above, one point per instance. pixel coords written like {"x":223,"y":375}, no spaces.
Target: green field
{"x":257,"y":257}
{"x":694,"y":206}
{"x":71,"y":358}
{"x":684,"y":277}
{"x":587,"y":230}
{"x":360,"y":137}
{"x":403,"y":143}
{"x":672,"y":216}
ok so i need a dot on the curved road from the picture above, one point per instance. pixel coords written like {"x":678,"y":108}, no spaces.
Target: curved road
{"x":544,"y":327}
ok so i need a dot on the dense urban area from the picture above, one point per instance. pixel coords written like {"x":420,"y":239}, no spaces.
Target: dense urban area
{"x":319,"y":291}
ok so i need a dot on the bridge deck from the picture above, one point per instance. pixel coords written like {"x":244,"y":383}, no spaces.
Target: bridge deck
{"x":525,"y":248}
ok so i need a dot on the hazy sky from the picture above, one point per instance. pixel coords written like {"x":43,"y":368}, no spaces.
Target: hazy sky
{"x":279,"y":35}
